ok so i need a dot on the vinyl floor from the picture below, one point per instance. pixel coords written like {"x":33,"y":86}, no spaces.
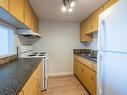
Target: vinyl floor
{"x":65,"y":85}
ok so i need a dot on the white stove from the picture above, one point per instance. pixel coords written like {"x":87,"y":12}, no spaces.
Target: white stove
{"x":27,"y":52}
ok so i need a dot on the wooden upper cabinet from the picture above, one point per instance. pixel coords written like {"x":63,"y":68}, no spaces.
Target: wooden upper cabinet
{"x":109,"y":4}
{"x":35,"y":22}
{"x":31,"y":19}
{"x":16,"y":8}
{"x":4,"y":4}
{"x":28,"y":14}
{"x":95,"y":21}
{"x":83,"y":29}
{"x":89,"y":26}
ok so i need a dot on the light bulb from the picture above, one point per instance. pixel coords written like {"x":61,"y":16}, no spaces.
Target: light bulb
{"x":72,"y":4}
{"x":70,"y":10}
{"x":64,"y":9}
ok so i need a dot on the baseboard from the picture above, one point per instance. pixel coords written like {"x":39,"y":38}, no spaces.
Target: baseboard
{"x":60,"y":74}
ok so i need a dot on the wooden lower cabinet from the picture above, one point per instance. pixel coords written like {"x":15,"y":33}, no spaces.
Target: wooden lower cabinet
{"x":86,"y":75}
{"x":32,"y":86}
{"x":94,"y":83}
{"x":21,"y":93}
{"x":39,"y":75}
{"x":75,"y":67}
{"x":4,"y":4}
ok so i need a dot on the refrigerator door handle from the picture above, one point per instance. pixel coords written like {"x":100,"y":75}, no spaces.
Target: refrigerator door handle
{"x":101,"y":35}
{"x":99,"y":74}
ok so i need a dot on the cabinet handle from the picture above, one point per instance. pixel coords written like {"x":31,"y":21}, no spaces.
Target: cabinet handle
{"x":92,"y":79}
{"x":82,"y":69}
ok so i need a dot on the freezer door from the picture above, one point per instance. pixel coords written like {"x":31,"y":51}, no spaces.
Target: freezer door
{"x":113,"y":68}
{"x":113,"y":28}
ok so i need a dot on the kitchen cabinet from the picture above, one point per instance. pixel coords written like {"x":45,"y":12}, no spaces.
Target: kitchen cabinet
{"x":21,"y":93}
{"x":79,"y":71}
{"x":109,"y":4}
{"x":85,"y":72}
{"x":16,"y":8}
{"x":30,"y":18}
{"x":90,"y":24}
{"x":39,"y":76}
{"x":93,"y":89}
{"x":32,"y":86}
{"x":4,"y":4}
{"x":87,"y":77}
{"x":75,"y":67}
{"x":20,"y":14}
{"x":95,"y":19}
{"x":28,"y":14}
{"x":83,"y":36}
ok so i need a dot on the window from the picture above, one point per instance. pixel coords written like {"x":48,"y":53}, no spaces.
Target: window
{"x":6,"y":41}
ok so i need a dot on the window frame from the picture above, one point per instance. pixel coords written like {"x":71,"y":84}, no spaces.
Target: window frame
{"x":11,"y":48}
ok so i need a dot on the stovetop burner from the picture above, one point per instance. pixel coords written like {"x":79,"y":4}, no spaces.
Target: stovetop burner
{"x":43,"y":53}
{"x":32,"y":55}
{"x":35,"y":53}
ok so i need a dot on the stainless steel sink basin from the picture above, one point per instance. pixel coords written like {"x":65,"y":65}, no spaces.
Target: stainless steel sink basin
{"x":89,"y":56}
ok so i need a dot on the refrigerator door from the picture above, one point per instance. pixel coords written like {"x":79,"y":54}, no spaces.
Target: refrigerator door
{"x":99,"y":73}
{"x":113,"y":28}
{"x":112,"y":74}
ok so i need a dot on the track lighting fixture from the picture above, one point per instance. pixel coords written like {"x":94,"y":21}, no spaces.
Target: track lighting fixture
{"x":68,"y":5}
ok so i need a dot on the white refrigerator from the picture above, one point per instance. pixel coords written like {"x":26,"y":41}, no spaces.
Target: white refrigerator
{"x":112,"y":50}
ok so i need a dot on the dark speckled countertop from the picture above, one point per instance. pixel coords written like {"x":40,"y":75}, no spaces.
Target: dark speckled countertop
{"x":14,"y":75}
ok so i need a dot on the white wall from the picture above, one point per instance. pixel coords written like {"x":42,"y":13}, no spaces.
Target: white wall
{"x":59,"y":39}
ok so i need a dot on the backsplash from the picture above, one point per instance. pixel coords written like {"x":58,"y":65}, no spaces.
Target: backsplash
{"x":81,"y":51}
{"x":6,"y":59}
{"x":85,"y":51}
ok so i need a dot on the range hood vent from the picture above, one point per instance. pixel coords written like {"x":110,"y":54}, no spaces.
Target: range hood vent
{"x":28,"y":33}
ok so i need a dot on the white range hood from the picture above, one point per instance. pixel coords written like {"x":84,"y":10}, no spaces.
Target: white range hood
{"x":28,"y":33}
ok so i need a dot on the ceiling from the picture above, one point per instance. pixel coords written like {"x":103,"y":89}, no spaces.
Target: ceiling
{"x":51,"y":9}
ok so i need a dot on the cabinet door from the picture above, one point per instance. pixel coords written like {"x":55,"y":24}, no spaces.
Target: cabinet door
{"x":95,"y":21}
{"x":4,"y":4}
{"x":94,"y":84}
{"x":16,"y":8}
{"x":39,"y":75}
{"x":75,"y":67}
{"x":28,"y":14}
{"x":83,"y":29}
{"x":20,"y":93}
{"x":79,"y":71}
{"x":31,"y":19}
{"x":109,"y":4}
{"x":35,"y":23}
{"x":89,"y":21}
{"x":87,"y":75}
{"x":29,"y":87}
{"x":33,"y":90}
